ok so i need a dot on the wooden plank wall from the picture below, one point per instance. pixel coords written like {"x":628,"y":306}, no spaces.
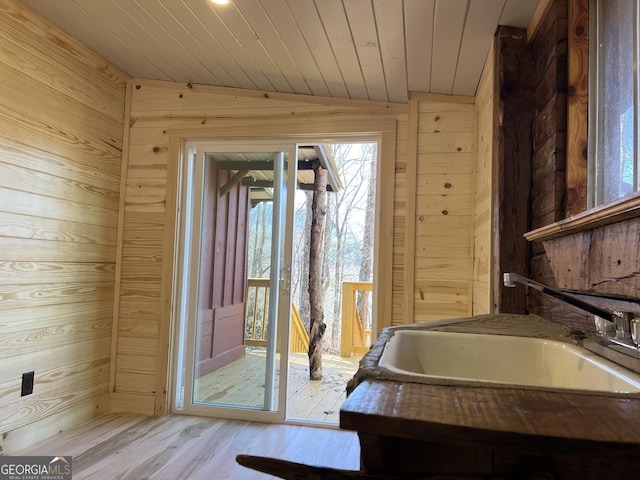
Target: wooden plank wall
{"x":600,"y":263}
{"x":162,"y":112}
{"x":550,"y":118}
{"x":483,"y":205}
{"x":61,"y":137}
{"x":444,"y":214}
{"x":223,"y":293}
{"x":80,"y":261}
{"x":404,"y":172}
{"x":548,"y":187}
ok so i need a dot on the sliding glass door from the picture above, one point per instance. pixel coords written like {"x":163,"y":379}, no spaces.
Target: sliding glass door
{"x":234,"y":279}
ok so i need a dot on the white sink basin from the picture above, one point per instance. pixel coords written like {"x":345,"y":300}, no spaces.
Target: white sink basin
{"x":497,"y":359}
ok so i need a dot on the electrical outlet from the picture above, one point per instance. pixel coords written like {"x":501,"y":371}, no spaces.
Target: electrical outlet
{"x":27,"y":383}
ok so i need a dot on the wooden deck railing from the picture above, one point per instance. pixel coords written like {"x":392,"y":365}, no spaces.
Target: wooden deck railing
{"x":355,"y":337}
{"x":355,"y":330}
{"x":257,"y":308}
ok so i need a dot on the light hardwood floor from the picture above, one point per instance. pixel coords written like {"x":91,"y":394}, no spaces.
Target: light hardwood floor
{"x":133,"y":447}
{"x":242,"y":383}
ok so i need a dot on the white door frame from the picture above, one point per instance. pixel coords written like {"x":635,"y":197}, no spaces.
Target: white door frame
{"x":242,"y":143}
{"x":187,"y":278}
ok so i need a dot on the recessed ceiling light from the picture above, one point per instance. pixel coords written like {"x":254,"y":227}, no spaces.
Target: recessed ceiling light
{"x":220,"y":2}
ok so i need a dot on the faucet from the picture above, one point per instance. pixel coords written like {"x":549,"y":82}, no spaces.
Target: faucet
{"x":626,"y":327}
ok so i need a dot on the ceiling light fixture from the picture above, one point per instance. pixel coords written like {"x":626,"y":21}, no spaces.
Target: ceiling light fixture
{"x":220,"y":2}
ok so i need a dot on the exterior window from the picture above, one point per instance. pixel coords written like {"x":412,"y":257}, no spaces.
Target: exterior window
{"x":613,"y":100}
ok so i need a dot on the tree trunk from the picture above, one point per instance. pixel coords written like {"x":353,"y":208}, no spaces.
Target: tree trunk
{"x":369,"y":222}
{"x":337,"y":280}
{"x":303,"y":297}
{"x":316,"y":296}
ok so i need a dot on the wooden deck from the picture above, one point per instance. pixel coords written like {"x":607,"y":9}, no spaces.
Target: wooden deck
{"x":242,"y":383}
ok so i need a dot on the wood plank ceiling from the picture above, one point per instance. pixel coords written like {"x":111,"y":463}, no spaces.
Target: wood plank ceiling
{"x":362,"y":49}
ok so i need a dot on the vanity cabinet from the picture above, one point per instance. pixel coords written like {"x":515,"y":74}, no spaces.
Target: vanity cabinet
{"x":417,"y":428}
{"x":413,"y":428}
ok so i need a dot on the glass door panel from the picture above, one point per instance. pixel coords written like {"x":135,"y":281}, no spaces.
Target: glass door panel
{"x":239,"y":304}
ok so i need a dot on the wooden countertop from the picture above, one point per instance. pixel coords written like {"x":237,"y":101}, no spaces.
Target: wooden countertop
{"x":544,"y":422}
{"x":539,"y":421}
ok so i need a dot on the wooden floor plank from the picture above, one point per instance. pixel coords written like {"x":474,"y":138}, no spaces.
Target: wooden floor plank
{"x":73,"y":441}
{"x":200,"y":450}
{"x":146,"y":443}
{"x":127,"y":447}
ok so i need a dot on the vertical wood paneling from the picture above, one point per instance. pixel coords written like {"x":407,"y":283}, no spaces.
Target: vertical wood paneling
{"x":242,"y":246}
{"x":223,"y":259}
{"x":483,"y":213}
{"x":61,"y":137}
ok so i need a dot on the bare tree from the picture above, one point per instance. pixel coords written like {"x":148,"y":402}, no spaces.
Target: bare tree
{"x":260,"y":239}
{"x":301,"y":278}
{"x":369,"y":151}
{"x":343,"y":205}
{"x":347,"y":241}
{"x":316,"y":292}
{"x":366,"y":264}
